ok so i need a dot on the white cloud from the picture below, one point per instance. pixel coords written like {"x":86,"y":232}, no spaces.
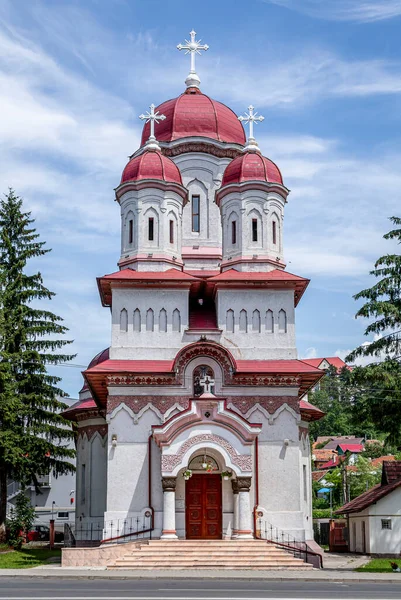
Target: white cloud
{"x":310,"y":353}
{"x":360,"y":11}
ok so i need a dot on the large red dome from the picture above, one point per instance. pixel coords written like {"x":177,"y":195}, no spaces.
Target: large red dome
{"x":251,"y":166}
{"x":151,"y":164}
{"x":194,"y":114}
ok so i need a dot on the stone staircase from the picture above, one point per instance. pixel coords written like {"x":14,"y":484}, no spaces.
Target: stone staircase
{"x":208,"y":555}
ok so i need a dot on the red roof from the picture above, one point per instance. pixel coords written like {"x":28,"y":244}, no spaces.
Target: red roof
{"x":151,"y":165}
{"x":251,"y":166}
{"x":276,"y":279}
{"x":335,"y":361}
{"x":351,"y":447}
{"x":391,"y":479}
{"x":194,"y":114}
{"x":310,"y":411}
{"x":81,"y":405}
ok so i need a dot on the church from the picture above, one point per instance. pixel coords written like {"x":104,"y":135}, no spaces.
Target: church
{"x":193,"y":424}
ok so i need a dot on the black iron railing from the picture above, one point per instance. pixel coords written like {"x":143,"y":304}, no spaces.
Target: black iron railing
{"x":298,"y":548}
{"x":114,"y":531}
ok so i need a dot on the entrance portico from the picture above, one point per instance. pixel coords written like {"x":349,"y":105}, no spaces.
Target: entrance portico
{"x":207,"y":428}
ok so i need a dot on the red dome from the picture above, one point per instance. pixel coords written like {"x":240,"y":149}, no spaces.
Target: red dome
{"x":251,"y":166}
{"x":194,"y":114}
{"x":151,"y":165}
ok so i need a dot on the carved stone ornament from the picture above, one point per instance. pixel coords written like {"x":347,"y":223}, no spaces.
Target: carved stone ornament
{"x":169,"y":484}
{"x":234,"y":485}
{"x":244,"y":484}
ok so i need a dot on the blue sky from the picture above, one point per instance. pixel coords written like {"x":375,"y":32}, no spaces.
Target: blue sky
{"x":75,"y":75}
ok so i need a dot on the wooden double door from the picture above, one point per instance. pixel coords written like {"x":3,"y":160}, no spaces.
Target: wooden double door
{"x":203,"y":507}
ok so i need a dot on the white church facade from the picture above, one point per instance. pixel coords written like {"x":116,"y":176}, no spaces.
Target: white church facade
{"x":194,"y":421}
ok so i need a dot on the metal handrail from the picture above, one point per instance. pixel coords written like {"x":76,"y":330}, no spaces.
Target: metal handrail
{"x":273,"y":535}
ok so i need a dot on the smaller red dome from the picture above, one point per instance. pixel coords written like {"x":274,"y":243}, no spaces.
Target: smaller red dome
{"x":251,"y":166}
{"x":151,"y":164}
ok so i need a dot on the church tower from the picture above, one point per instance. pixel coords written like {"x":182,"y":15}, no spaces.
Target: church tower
{"x":198,"y":407}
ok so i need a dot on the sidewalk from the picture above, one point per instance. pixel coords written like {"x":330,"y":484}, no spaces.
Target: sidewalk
{"x":55,"y":571}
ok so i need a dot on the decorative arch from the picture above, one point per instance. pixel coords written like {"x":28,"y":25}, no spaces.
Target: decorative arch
{"x":243,"y":321}
{"x":137,"y":320}
{"x":176,"y":320}
{"x":230,"y":322}
{"x":256,"y":321}
{"x":150,"y":320}
{"x":269,"y":321}
{"x":124,"y":320}
{"x":282,"y":321}
{"x":163,"y":320}
{"x":204,"y":349}
{"x":255,"y":214}
{"x":151,"y":213}
{"x":275,"y":230}
{"x":129,"y":226}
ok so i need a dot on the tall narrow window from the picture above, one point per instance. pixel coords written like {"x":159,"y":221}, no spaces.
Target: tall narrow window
{"x":269,"y":321}
{"x":274,"y":232}
{"x":256,"y":321}
{"x":163,"y":320}
{"x":305,"y":483}
{"x":234,"y":232}
{"x":130,"y":231}
{"x":123,"y":320}
{"x":83,"y":483}
{"x":196,"y":214}
{"x":137,"y":320}
{"x":150,"y":320}
{"x":254,"y":230}
{"x":230,"y":321}
{"x":151,"y":229}
{"x":176,"y":320}
{"x":282,"y":321}
{"x":243,"y":321}
{"x":171,"y":231}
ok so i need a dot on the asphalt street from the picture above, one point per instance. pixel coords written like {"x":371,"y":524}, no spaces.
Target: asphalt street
{"x":56,"y":589}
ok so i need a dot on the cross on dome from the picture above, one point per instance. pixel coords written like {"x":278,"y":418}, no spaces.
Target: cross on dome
{"x":152,"y":117}
{"x":251,"y":117}
{"x":192,"y":47}
{"x":207,"y":384}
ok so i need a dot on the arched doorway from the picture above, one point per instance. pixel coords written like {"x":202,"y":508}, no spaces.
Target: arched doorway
{"x":203,"y":499}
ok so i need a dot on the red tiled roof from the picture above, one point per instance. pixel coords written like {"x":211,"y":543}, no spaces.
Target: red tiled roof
{"x":276,"y":279}
{"x":133,"y":366}
{"x":322,"y":454}
{"x":343,"y":439}
{"x":334,"y":462}
{"x":351,"y":447}
{"x":391,"y":471}
{"x":317,"y":475}
{"x":311,"y":412}
{"x":379,"y":461}
{"x":151,"y":165}
{"x":194,"y":114}
{"x":80,"y":406}
{"x":335,"y":361}
{"x":251,"y":166}
{"x":391,"y":480}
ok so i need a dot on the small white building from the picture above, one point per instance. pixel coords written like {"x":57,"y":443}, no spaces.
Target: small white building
{"x":374,"y":517}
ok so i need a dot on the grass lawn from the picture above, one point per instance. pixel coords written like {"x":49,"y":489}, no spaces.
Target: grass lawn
{"x":379,"y":565}
{"x":26,"y":558}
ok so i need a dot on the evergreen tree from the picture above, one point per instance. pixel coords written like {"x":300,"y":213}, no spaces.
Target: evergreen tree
{"x":34,"y":437}
{"x":383,"y":304}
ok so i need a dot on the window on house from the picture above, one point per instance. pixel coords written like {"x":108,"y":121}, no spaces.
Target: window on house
{"x":274,"y":232}
{"x":130,"y":231}
{"x":62,"y":515}
{"x":151,"y":229}
{"x":305,"y":483}
{"x":254,"y":230}
{"x":386,"y":523}
{"x":83,"y":483}
{"x":196,"y":214}
{"x":171,"y":232}
{"x":234,"y":232}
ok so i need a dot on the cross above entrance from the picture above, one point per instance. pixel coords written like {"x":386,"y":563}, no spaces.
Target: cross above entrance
{"x":152,"y":117}
{"x":192,"y":47}
{"x":207,"y":384}
{"x":251,"y":117}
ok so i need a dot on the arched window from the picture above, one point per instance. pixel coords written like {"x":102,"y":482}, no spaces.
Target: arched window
{"x":137,"y":320}
{"x":123,"y":320}
{"x":150,"y":320}
{"x":243,"y":321}
{"x":269,"y":321}
{"x":256,"y":321}
{"x":162,"y":320}
{"x":282,"y":321}
{"x":230,"y":321}
{"x":176,"y":320}
{"x":203,"y":379}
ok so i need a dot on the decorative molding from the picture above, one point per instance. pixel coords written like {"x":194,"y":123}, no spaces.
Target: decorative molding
{"x":244,"y":484}
{"x":136,"y":404}
{"x":169,"y":484}
{"x":204,"y":147}
{"x":205,"y":349}
{"x":234,"y":485}
{"x":170,"y":461}
{"x":90,"y":430}
{"x":303,"y":431}
{"x":245,"y":404}
{"x":142,"y":379}
{"x":89,"y":414}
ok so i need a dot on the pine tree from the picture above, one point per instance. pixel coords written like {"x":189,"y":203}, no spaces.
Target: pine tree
{"x":34,"y":437}
{"x":383,"y":304}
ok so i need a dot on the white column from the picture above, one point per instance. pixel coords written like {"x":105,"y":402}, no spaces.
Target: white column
{"x":235,"y":502}
{"x":169,"y":532}
{"x":244,"y":530}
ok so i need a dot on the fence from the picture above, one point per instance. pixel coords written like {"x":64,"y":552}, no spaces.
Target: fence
{"x":115,"y":531}
{"x":298,"y":548}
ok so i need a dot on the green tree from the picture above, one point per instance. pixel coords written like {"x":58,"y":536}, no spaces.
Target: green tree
{"x":363,"y":477}
{"x":21,"y":520}
{"x":383,"y":304}
{"x":374,"y":449}
{"x":334,"y":399}
{"x":34,"y":437}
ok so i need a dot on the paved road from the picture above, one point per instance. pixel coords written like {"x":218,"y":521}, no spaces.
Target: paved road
{"x":145,"y":589}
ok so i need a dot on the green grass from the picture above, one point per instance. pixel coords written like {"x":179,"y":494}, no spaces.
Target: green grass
{"x":379,"y":565}
{"x":26,"y":559}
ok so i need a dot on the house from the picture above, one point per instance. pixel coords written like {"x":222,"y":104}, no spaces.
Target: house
{"x":349,"y":450}
{"x":326,"y":363}
{"x":344,"y":439}
{"x":374,"y":517}
{"x":321,"y":457}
